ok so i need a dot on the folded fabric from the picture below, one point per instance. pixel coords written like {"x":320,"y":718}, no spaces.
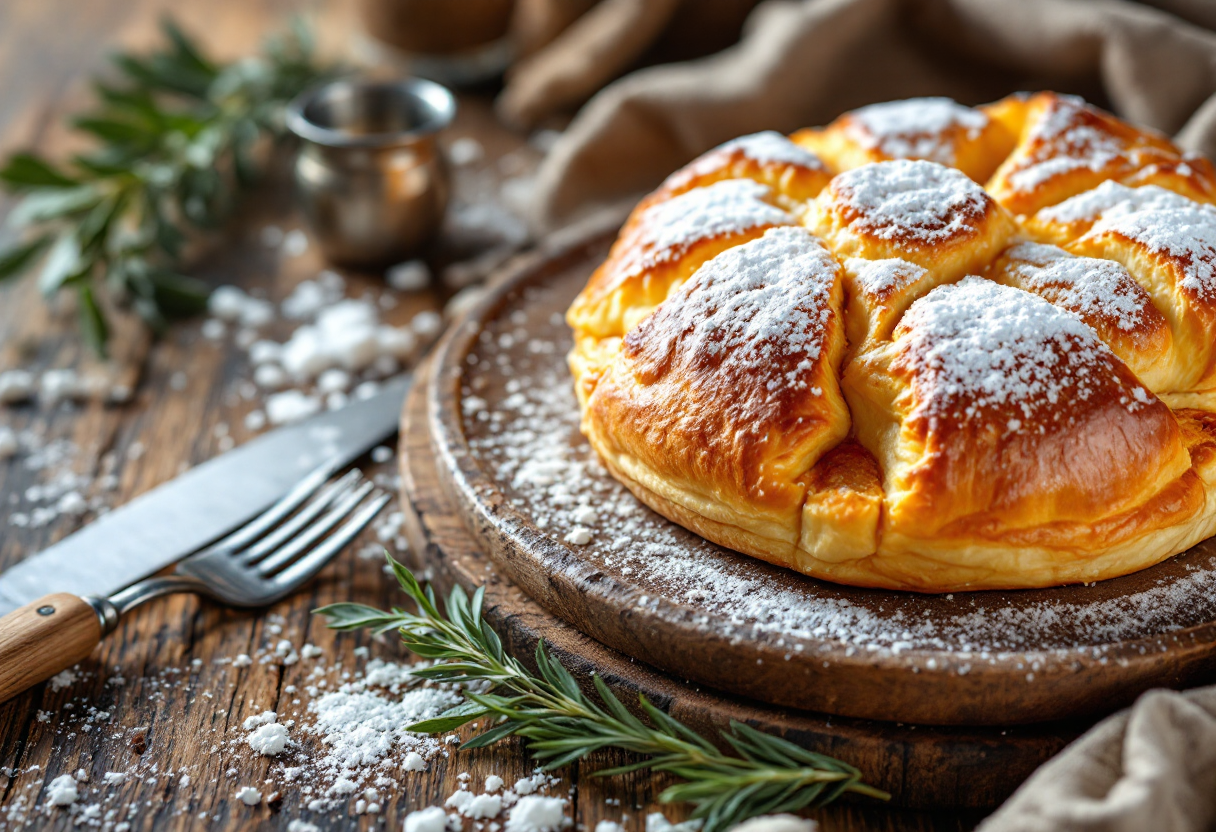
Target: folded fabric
{"x":803,"y":63}
{"x":1152,"y":767}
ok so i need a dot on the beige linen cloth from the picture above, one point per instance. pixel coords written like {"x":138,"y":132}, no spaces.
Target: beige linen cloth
{"x":1151,"y":768}
{"x":800,"y":64}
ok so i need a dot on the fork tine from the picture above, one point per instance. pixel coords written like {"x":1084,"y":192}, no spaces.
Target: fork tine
{"x":314,"y":561}
{"x":331,"y":494}
{"x":257,"y":527}
{"x":300,"y":543}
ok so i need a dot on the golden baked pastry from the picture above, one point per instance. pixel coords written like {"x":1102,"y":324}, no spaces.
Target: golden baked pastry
{"x":927,"y":347}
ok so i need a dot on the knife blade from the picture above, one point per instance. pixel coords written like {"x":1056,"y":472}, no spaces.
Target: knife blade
{"x":181,"y":516}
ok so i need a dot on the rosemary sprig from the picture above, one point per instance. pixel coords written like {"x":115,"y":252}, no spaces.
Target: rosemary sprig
{"x":563,"y":724}
{"x":176,"y":137}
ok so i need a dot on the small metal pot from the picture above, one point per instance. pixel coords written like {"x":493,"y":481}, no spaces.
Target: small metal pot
{"x":370,"y":178}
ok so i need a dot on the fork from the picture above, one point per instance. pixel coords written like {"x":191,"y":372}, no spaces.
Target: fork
{"x":260,"y":563}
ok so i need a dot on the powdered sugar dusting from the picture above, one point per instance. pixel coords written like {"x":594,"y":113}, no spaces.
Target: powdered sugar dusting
{"x":767,"y":147}
{"x":1185,"y":235}
{"x":666,"y":230}
{"x":755,"y":314}
{"x":521,"y":418}
{"x":919,"y":202}
{"x":1064,"y":140}
{"x":883,"y":277}
{"x":916,"y":128}
{"x":977,"y":346}
{"x":1093,"y":288}
{"x":1110,"y":200}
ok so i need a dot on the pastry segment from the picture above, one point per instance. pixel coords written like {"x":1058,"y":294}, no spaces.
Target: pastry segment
{"x":722,"y":399}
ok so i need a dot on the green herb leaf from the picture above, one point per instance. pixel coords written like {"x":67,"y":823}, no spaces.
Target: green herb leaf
{"x":47,"y":205}
{"x":15,"y":260}
{"x":25,"y":170}
{"x":62,"y":263}
{"x":92,"y":321}
{"x":349,"y":616}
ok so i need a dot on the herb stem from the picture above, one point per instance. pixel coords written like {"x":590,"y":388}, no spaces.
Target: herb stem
{"x":562,"y":723}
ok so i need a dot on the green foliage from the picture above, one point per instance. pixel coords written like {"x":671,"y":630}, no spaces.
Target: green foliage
{"x":175,"y":140}
{"x":562,"y":723}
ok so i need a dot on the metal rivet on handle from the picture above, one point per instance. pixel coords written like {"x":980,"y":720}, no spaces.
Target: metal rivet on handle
{"x":46,"y":610}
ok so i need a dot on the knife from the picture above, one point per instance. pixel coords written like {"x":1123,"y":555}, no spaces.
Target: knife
{"x":172,"y":520}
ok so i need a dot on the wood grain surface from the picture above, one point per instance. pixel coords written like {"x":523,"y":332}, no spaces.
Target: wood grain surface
{"x":161,"y":695}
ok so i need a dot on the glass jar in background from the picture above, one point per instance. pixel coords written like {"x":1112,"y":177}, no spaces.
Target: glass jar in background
{"x":455,"y":42}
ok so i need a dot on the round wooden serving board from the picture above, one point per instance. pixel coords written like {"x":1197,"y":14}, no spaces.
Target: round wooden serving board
{"x":922,"y":767}
{"x":503,"y":426}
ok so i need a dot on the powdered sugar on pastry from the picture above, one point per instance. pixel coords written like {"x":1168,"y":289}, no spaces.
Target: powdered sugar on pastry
{"x":757,"y":309}
{"x":883,"y":277}
{"x":767,"y":147}
{"x":1110,"y":200}
{"x":919,"y":202}
{"x":728,"y":207}
{"x":1186,"y":236}
{"x":1064,"y":142}
{"x":1088,"y":286}
{"x":918,"y":128}
{"x":975,"y":346}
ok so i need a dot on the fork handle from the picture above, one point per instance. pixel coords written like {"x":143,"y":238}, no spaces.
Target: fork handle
{"x":43,"y":638}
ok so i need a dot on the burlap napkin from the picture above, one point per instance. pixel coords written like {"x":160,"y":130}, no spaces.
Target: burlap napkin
{"x":803,"y":63}
{"x":1149,"y":769}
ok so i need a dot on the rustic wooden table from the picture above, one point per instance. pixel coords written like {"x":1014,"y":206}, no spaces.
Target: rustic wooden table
{"x":174,"y":699}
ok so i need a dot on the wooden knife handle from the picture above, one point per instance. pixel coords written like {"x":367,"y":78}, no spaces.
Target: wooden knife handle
{"x":43,"y":638}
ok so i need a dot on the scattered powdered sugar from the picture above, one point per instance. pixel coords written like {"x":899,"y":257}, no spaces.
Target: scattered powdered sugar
{"x":62,"y":791}
{"x":916,"y":128}
{"x":524,"y":430}
{"x":269,"y":740}
{"x":921,"y":203}
{"x":1111,"y":199}
{"x":976,"y":346}
{"x":767,"y":147}
{"x":667,"y":229}
{"x":249,"y":795}
{"x":364,"y":732}
{"x":883,"y":277}
{"x":1185,"y":235}
{"x":1091,"y":287}
{"x":536,"y":813}
{"x":755,"y":315}
{"x":430,"y":819}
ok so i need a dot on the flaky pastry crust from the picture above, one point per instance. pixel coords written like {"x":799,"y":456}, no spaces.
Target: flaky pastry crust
{"x":928,"y":347}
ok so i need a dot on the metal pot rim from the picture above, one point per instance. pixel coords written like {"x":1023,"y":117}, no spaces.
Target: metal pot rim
{"x":438,"y":102}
